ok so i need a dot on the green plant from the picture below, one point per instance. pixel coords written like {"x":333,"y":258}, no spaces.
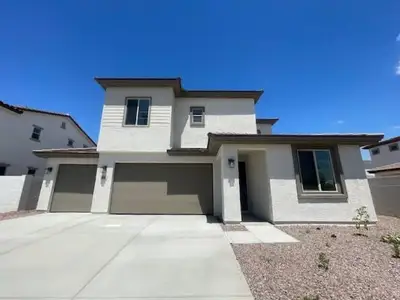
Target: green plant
{"x":394,"y":240}
{"x":361,"y":218}
{"x":311,"y":297}
{"x":323,"y":261}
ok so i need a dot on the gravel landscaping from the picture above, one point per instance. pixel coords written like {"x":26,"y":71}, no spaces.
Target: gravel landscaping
{"x":359,"y":267}
{"x":233,"y":227}
{"x":17,"y":214}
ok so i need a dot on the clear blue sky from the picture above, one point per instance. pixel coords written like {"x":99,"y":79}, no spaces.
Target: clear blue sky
{"x":325,"y":66}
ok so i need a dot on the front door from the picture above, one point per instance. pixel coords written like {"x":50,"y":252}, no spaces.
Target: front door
{"x":243,"y":186}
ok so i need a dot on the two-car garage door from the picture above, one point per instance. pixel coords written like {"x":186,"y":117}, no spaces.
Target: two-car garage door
{"x":162,"y":189}
{"x":138,"y":189}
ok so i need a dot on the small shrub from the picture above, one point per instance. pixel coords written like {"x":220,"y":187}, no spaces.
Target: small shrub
{"x":361,"y":218}
{"x":323,"y":261}
{"x":394,"y":240}
{"x":311,"y":297}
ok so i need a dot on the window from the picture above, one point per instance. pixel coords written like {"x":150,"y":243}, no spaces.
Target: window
{"x":316,"y":170}
{"x":393,"y":147}
{"x":70,"y":143}
{"x":258,"y":131}
{"x":85,"y":146}
{"x":375,"y":151}
{"x":63,"y":125}
{"x":31,"y":171}
{"x":197,"y":115}
{"x":36,"y":133}
{"x":137,"y":112}
{"x":3,"y":170}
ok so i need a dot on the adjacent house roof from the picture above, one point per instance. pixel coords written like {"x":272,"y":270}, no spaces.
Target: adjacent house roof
{"x":67,"y":152}
{"x":176,"y":84}
{"x":271,"y":121}
{"x":20,"y":109}
{"x":384,"y":142}
{"x":386,"y":168}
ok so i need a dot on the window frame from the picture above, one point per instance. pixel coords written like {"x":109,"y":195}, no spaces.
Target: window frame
{"x":308,"y":196}
{"x":203,"y":116}
{"x":396,"y":145}
{"x":127,"y":99}
{"x":33,"y":131}
{"x":72,"y":144}
{"x":375,"y":151}
{"x":63,"y":125}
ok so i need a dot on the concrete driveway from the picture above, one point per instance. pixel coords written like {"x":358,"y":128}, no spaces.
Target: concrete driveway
{"x":84,"y":256}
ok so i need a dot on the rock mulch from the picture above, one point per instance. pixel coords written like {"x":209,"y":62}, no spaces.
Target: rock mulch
{"x":17,"y":214}
{"x":233,"y":227}
{"x":359,"y":267}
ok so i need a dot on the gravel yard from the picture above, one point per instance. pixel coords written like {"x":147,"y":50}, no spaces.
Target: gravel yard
{"x":359,"y":267}
{"x":233,"y":227}
{"x":17,"y":214}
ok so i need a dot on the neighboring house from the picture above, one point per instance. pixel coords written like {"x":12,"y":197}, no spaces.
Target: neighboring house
{"x":385,"y":152}
{"x":386,"y":170}
{"x":163,"y":149}
{"x":23,"y":130}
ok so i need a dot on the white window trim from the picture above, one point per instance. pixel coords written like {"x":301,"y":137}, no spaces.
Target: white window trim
{"x":192,"y":122}
{"x":137,"y":111}
{"x":316,"y":171}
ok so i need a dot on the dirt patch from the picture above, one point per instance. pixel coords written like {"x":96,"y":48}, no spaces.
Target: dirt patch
{"x":233,"y":227}
{"x":351,"y":267}
{"x":18,"y":214}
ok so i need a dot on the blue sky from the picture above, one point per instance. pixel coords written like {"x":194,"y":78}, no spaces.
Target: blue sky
{"x":325,"y":66}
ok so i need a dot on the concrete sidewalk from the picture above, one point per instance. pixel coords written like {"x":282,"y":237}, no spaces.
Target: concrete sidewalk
{"x":84,"y":256}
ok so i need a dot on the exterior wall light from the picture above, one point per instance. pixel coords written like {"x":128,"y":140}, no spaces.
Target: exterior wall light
{"x":103,"y":172}
{"x":48,"y":170}
{"x":231,"y":162}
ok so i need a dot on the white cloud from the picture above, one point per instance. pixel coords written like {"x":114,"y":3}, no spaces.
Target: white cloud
{"x":340,"y":122}
{"x":398,"y":68}
{"x":396,"y":127}
{"x":398,"y":38}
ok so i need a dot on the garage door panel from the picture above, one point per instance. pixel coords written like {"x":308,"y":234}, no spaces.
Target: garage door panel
{"x":162,"y":188}
{"x":73,"y":190}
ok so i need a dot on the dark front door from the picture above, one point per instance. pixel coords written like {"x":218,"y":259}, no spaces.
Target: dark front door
{"x":243,"y":185}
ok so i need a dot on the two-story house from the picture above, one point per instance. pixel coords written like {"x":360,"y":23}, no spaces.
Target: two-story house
{"x":163,"y":149}
{"x":24,"y":129}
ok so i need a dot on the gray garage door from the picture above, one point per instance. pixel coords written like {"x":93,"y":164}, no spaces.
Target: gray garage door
{"x":162,"y":189}
{"x":74,"y":188}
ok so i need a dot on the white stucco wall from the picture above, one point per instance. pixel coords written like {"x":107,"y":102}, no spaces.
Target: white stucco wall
{"x":221,"y":115}
{"x":264,"y":128}
{"x":48,"y":184}
{"x":13,"y":190}
{"x":102,"y":189}
{"x":285,"y":203}
{"x":257,"y":185}
{"x":156,"y":137}
{"x":16,"y":146}
{"x":385,"y":157}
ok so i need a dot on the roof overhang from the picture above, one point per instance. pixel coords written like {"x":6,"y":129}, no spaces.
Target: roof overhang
{"x":270,"y":121}
{"x":176,"y":85}
{"x":70,"y":152}
{"x":386,"y":168}
{"x":381,"y":143}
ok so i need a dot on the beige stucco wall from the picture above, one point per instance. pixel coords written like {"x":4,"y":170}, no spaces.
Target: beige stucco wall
{"x":285,"y":203}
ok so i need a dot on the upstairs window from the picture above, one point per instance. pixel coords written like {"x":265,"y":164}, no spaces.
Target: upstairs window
{"x":70,"y":143}
{"x":375,"y":151}
{"x":85,"y":146}
{"x":258,"y":131}
{"x":31,"y":171}
{"x":197,"y":115}
{"x":316,"y":170}
{"x":137,"y":112}
{"x":63,"y":125}
{"x":393,"y":147}
{"x":36,"y":133}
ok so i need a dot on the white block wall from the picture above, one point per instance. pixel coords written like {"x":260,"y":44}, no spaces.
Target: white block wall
{"x":13,"y":190}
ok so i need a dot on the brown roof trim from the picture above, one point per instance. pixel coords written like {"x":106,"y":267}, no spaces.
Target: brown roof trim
{"x":12,"y":108}
{"x":46,"y":112}
{"x":270,"y":121}
{"x":385,"y":168}
{"x":216,"y":140}
{"x":188,"y":152}
{"x":176,"y":84}
{"x":384,"y":142}
{"x":68,"y":152}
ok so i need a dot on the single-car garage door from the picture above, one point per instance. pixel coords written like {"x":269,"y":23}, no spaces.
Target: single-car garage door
{"x":162,"y":189}
{"x":74,"y":188}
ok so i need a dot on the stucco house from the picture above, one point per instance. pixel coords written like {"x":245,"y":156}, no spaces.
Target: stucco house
{"x":24,"y":129}
{"x":163,"y":149}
